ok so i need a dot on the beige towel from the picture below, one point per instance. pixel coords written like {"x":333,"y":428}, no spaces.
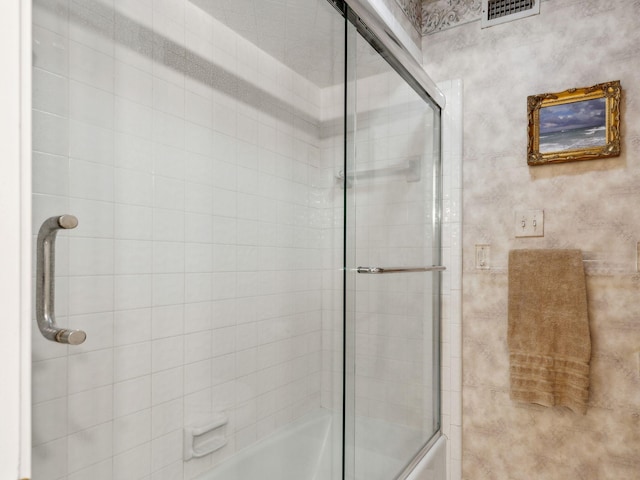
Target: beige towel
{"x":549,"y":341}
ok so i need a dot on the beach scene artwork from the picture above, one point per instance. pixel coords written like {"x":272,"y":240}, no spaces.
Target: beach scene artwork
{"x":573,"y":126}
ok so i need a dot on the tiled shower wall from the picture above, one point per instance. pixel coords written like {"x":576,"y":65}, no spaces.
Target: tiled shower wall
{"x":589,"y":205}
{"x":196,"y":269}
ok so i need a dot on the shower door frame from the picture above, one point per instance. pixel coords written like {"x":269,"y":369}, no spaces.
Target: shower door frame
{"x":358,"y":16}
{"x":15,"y":238}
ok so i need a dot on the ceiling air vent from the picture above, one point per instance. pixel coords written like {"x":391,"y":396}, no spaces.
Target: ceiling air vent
{"x":502,"y":11}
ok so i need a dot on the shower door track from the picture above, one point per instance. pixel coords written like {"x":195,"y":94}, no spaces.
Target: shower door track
{"x":405,"y":61}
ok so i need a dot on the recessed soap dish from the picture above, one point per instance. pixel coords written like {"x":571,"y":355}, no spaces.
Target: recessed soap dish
{"x":197,"y":442}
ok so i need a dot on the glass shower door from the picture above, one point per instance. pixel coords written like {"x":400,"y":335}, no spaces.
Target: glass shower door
{"x":194,"y":140}
{"x":393,"y":244}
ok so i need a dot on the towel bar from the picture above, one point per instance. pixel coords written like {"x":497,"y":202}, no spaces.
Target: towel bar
{"x":377,"y":270}
{"x":410,"y":169}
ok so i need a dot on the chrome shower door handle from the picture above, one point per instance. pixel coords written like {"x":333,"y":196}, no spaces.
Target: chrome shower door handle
{"x":45,"y":282}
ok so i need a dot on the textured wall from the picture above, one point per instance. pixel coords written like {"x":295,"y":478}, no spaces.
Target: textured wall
{"x":440,"y":15}
{"x":589,"y":205}
{"x":413,"y":10}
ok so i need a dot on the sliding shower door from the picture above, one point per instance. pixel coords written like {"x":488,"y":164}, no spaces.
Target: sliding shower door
{"x":196,"y":142}
{"x":392,"y":274}
{"x":238,"y":299}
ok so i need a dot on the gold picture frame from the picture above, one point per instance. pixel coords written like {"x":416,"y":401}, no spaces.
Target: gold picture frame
{"x":577,"y":124}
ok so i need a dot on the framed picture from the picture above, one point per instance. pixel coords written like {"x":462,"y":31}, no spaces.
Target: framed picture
{"x":577,"y":124}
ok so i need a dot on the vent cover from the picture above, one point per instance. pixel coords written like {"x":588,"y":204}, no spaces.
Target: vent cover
{"x":502,"y":11}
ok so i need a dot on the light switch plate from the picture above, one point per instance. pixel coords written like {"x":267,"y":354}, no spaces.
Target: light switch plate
{"x":483,"y":257}
{"x":529,"y":223}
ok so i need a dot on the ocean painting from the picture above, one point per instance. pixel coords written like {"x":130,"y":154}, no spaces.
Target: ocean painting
{"x":573,"y":126}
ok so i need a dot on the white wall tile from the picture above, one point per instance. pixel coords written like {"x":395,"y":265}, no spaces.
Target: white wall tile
{"x":91,"y":142}
{"x":166,"y":418}
{"x":133,"y":187}
{"x":132,"y":291}
{"x":198,"y":317}
{"x":133,"y":118}
{"x":197,"y":376}
{"x":197,"y":287}
{"x":95,"y":218}
{"x":168,"y":97}
{"x":198,"y":109}
{"x":166,"y":450}
{"x":167,"y":289}
{"x":50,"y":459}
{"x":168,"y":129}
{"x":50,"y":376}
{"x":168,"y":225}
{"x":90,"y":408}
{"x":91,"y":105}
{"x":50,"y":133}
{"x":44,"y":17}
{"x":133,"y":222}
{"x":90,"y":294}
{"x":166,"y":385}
{"x":168,"y":257}
{"x":168,"y":193}
{"x":90,"y":256}
{"x":50,"y":174}
{"x":49,"y":421}
{"x":90,"y":446}
{"x":131,"y":396}
{"x":167,"y":321}
{"x":134,"y":463}
{"x":132,"y":256}
{"x":198,"y":199}
{"x":50,"y":51}
{"x":133,"y":84}
{"x":197,"y":347}
{"x":167,"y":353}
{"x":133,"y":152}
{"x":132,"y":326}
{"x":50,"y":92}
{"x":131,"y":431}
{"x":132,"y":361}
{"x":90,"y":370}
{"x":91,"y":66}
{"x":198,"y":258}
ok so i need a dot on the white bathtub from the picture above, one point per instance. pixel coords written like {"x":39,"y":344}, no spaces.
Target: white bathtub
{"x":304,"y":450}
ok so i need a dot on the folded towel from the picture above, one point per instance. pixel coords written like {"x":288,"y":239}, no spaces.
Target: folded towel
{"x":548,"y":336}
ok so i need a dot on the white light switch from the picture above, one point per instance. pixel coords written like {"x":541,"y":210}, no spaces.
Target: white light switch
{"x":529,"y":223}
{"x":483,"y":255}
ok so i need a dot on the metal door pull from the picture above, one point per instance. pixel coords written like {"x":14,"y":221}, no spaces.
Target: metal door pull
{"x":45,"y":282}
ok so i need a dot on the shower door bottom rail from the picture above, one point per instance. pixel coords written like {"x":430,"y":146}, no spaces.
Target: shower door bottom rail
{"x":380,"y":270}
